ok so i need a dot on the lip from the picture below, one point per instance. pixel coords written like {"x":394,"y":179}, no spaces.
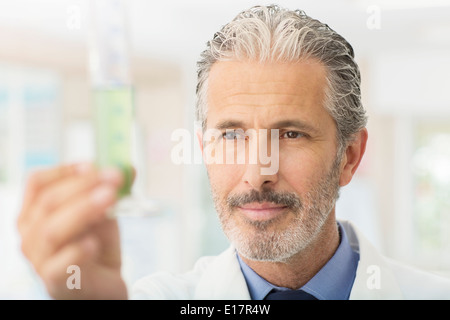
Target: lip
{"x":262,"y":211}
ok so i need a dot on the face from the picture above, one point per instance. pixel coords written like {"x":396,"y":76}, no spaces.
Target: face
{"x":271,"y":217}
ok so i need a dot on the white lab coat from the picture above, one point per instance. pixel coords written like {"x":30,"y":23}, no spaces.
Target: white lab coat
{"x":220,"y":277}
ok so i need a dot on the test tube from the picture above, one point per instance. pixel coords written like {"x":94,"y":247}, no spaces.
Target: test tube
{"x":112,"y":89}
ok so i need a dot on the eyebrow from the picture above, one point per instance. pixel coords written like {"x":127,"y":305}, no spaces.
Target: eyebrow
{"x":228,"y":124}
{"x":289,"y":123}
{"x":297,"y":124}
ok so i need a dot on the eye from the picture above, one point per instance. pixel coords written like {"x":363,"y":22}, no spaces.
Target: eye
{"x":233,"y":135}
{"x":292,"y":135}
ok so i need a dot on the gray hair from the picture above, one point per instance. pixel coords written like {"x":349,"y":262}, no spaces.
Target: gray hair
{"x":270,"y":34}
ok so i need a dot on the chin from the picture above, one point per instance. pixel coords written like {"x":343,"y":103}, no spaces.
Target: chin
{"x":267,"y":240}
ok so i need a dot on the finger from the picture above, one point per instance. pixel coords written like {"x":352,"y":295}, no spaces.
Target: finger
{"x":70,"y":222}
{"x":63,"y":192}
{"x":39,"y":180}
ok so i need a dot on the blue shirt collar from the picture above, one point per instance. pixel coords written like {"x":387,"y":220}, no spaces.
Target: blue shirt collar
{"x":333,"y":282}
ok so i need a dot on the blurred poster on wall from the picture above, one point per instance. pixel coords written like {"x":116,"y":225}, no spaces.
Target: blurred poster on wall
{"x":30,"y":121}
{"x":43,"y":119}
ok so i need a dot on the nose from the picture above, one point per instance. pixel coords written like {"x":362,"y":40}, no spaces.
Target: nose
{"x":253,"y":177}
{"x":261,"y":170}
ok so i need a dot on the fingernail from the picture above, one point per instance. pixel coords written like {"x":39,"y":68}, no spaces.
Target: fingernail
{"x":103,"y":195}
{"x":111,"y":175}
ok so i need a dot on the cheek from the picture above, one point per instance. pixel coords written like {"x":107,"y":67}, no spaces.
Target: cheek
{"x":224,"y":177}
{"x":301,"y":169}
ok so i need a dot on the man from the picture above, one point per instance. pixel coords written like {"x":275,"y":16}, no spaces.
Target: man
{"x":271,"y":77}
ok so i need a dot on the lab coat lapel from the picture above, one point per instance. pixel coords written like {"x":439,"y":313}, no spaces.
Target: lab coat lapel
{"x":223,"y":279}
{"x":374,"y":277}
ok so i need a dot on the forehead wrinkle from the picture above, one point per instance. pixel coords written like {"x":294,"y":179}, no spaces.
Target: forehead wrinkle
{"x":260,"y":100}
{"x":240,"y":88}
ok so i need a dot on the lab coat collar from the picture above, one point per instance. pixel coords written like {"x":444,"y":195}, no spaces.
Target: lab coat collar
{"x":375,"y":279}
{"x":223,"y":278}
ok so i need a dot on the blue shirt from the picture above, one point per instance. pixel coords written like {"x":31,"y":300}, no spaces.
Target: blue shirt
{"x":333,"y":282}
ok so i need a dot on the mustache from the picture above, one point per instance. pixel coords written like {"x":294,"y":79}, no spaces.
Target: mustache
{"x":287,"y":199}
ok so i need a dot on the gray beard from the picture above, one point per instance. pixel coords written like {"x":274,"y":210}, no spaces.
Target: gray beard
{"x":261,"y":240}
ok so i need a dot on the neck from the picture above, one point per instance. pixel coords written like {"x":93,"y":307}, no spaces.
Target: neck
{"x":305,"y":264}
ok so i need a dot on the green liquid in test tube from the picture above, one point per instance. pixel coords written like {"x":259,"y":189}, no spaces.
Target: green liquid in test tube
{"x":114,"y":116}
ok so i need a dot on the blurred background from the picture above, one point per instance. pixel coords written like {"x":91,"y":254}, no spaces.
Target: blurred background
{"x":400,"y":196}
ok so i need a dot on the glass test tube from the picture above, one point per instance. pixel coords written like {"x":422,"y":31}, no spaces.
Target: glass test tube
{"x":112,"y":90}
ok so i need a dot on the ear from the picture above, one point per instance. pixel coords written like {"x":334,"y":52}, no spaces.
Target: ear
{"x":352,"y":157}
